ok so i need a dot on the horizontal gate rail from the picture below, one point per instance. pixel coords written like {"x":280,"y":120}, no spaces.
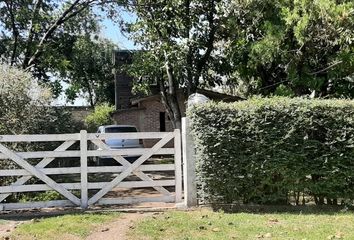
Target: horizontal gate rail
{"x":134,"y":200}
{"x":87,"y":140}
{"x":39,"y":204}
{"x":40,"y":138}
{"x":76,"y":170}
{"x":96,"y":185}
{"x":136,"y":135}
{"x":45,"y":154}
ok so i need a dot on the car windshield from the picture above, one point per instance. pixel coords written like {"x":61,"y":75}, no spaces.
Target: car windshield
{"x":120,"y":129}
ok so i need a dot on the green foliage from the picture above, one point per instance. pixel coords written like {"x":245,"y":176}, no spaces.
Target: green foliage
{"x":284,"y":91}
{"x":101,"y":116}
{"x":54,"y":40}
{"x":303,"y":44}
{"x":90,"y":71}
{"x":183,"y":50}
{"x":275,"y":150}
{"x":39,"y":35}
{"x":43,"y":196}
{"x":25,"y":106}
{"x":23,"y":103}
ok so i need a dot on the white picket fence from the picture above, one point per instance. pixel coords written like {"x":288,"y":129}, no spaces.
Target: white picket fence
{"x":137,"y":168}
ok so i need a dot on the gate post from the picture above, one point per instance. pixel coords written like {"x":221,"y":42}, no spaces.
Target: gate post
{"x":178,"y":165}
{"x":189,"y":174}
{"x":83,"y":166}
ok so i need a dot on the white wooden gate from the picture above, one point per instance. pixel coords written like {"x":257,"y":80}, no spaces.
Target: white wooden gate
{"x":89,"y":193}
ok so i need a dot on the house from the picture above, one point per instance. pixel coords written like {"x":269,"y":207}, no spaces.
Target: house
{"x":146,"y":112}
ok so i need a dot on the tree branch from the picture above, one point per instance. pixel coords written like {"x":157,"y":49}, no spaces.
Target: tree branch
{"x":327,"y":68}
{"x":65,"y":16}
{"x":15,"y":33}
{"x":209,"y":44}
{"x":30,"y":31}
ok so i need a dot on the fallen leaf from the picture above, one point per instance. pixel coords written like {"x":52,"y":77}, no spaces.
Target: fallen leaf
{"x":216,"y":229}
{"x":268,"y":235}
{"x":339,"y":235}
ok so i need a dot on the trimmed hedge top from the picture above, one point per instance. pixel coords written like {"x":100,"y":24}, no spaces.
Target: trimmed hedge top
{"x":275,"y":150}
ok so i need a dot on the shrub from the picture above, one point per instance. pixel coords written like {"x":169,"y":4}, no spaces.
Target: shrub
{"x":25,"y":109}
{"x":101,"y":116}
{"x":25,"y":106}
{"x":275,"y":151}
{"x":23,"y":103}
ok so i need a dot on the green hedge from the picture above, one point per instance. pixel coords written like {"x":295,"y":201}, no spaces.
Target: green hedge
{"x":275,"y":151}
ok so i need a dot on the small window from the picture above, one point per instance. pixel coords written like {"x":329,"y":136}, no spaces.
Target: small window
{"x":162,"y":122}
{"x":120,"y":130}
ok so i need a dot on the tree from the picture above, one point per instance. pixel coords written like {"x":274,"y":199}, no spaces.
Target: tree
{"x":37,"y":35}
{"x":25,"y":106}
{"x":90,"y":72}
{"x":293,"y":47}
{"x":180,"y":52}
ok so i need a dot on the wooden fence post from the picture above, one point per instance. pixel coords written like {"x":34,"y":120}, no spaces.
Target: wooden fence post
{"x":189,"y":174}
{"x":83,"y":164}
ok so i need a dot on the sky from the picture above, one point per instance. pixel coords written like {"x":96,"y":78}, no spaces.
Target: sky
{"x":112,"y":31}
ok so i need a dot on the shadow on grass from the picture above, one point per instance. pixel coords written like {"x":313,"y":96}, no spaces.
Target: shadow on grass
{"x":28,"y":215}
{"x":290,"y":209}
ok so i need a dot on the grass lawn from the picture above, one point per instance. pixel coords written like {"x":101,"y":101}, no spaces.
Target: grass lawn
{"x":205,"y":224}
{"x":3,"y":221}
{"x":73,"y":226}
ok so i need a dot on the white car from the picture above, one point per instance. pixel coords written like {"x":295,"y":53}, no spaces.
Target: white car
{"x":115,"y":143}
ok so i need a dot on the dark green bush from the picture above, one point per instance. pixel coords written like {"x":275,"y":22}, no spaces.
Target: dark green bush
{"x":275,"y":151}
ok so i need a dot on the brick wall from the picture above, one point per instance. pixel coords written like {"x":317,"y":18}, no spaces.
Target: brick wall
{"x":151,"y":116}
{"x":146,"y":118}
{"x":128,"y":117}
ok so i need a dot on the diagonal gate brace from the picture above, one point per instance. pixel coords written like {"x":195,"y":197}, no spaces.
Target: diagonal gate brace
{"x":131,"y":168}
{"x":39,"y":174}
{"x":126,"y":164}
{"x":41,"y":164}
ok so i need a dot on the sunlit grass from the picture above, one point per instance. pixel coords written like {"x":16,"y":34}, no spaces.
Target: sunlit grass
{"x":205,"y":224}
{"x":74,"y":226}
